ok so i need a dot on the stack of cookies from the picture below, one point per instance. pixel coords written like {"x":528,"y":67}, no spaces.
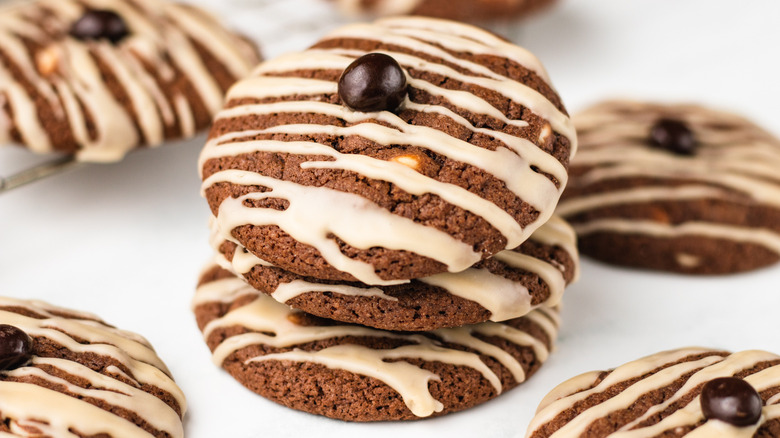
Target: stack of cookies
{"x":382,"y":216}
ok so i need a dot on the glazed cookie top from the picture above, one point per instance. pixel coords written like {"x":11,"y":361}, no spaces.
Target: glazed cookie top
{"x":696,"y":392}
{"x":633,"y":152}
{"x":67,"y":374}
{"x":98,"y":78}
{"x":270,"y":331}
{"x":465,"y":155}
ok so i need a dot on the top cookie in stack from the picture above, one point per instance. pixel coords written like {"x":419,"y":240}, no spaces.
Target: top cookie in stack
{"x":442,"y":147}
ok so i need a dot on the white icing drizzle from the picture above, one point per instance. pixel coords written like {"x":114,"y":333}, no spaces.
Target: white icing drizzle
{"x":215,"y":291}
{"x":403,"y":176}
{"x":458,"y":37}
{"x":578,"y":205}
{"x":758,"y":236}
{"x":265,"y":315}
{"x":504,"y":298}
{"x":288,"y":291}
{"x":22,"y":402}
{"x":515,"y":162}
{"x":735,"y":161}
{"x":74,"y":87}
{"x":359,"y":223}
{"x":381,"y":7}
{"x":501,"y":296}
{"x":703,"y":370}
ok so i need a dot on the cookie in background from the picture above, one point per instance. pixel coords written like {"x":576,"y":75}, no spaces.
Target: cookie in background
{"x":674,"y":187}
{"x":692,"y":392}
{"x":461,"y":10}
{"x":97,"y":79}
{"x":66,"y":373}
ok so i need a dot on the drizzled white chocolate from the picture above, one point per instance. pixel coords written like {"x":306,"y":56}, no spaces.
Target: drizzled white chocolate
{"x":272,"y":323}
{"x":714,"y":365}
{"x":316,"y":214}
{"x":164,"y":37}
{"x":504,"y":298}
{"x":472,"y":10}
{"x":380,"y":7}
{"x":735,"y":161}
{"x":54,"y":413}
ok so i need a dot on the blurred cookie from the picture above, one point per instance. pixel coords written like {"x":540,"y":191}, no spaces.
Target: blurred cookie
{"x":461,"y":10}
{"x":507,"y":286}
{"x":98,"y":78}
{"x":388,"y":151}
{"x":692,"y":392}
{"x":355,"y":373}
{"x":677,"y":188}
{"x":65,"y":373}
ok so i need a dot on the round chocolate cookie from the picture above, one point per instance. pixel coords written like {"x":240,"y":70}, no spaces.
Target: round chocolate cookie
{"x":504,"y":287}
{"x":461,"y":10}
{"x":677,"y":188}
{"x":98,"y":78}
{"x":65,"y":373}
{"x":691,"y":392}
{"x":470,"y":162}
{"x":356,"y":373}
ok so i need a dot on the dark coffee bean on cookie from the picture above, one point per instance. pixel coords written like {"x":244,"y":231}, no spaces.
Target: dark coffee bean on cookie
{"x":731,"y":400}
{"x":691,"y":392}
{"x":461,"y":10}
{"x":373,"y":82}
{"x":678,"y":188}
{"x":506,"y":286}
{"x":15,"y":347}
{"x":355,"y":373}
{"x":65,"y":373}
{"x":99,"y":78}
{"x":98,"y":24}
{"x":470,"y":163}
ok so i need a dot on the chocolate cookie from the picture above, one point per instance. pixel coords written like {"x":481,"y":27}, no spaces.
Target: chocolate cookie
{"x":65,"y":373}
{"x":504,"y":287}
{"x":461,"y":10}
{"x":691,"y":392}
{"x":463,"y":153}
{"x":674,"y":187}
{"x":99,"y":78}
{"x":356,"y":373}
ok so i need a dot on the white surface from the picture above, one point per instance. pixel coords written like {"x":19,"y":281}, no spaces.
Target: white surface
{"x":127,"y":240}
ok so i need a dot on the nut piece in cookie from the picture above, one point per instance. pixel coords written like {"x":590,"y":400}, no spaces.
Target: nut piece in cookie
{"x":67,"y":373}
{"x":97,"y":79}
{"x":696,"y":392}
{"x":679,"y":188}
{"x":388,"y":151}
{"x":356,"y":373}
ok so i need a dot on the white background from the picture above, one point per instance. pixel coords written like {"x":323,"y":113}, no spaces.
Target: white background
{"x":127,"y":240}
